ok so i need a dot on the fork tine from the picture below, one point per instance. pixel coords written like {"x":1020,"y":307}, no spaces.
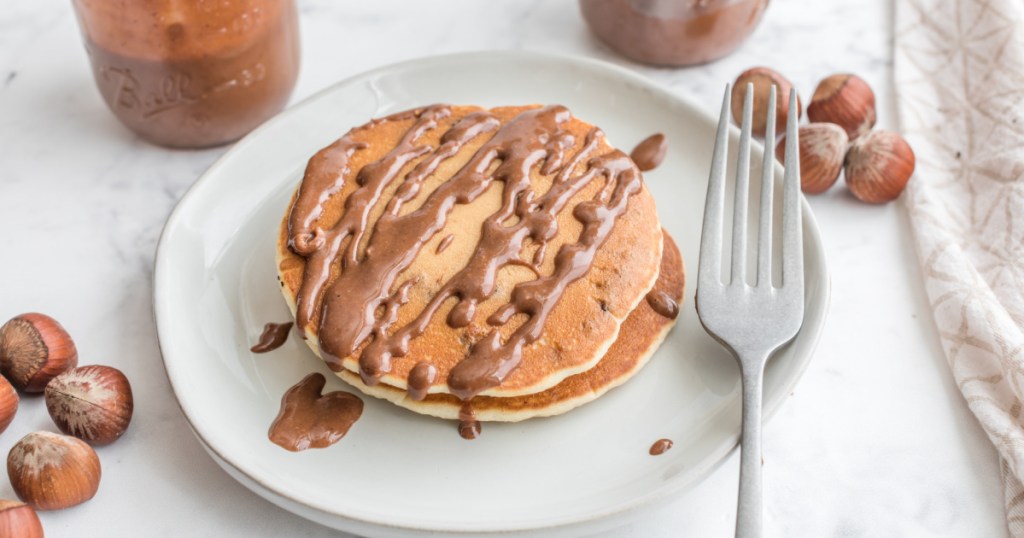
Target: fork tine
{"x":710,"y":265}
{"x":764,"y":238}
{"x":739,"y":212}
{"x":792,"y":233}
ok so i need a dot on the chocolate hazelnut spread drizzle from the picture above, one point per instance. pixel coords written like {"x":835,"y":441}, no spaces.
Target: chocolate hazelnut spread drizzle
{"x":309,"y":420}
{"x":649,"y":153}
{"x":421,"y":377}
{"x":469,"y":426}
{"x":663,"y":303}
{"x":660,"y":447}
{"x":273,"y":336}
{"x":350,"y":304}
{"x":322,"y":248}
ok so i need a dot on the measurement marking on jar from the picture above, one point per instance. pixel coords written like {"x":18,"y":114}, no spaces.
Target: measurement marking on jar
{"x":245,"y":78}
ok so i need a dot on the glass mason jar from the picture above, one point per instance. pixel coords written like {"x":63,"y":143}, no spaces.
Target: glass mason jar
{"x":192,"y":73}
{"x":673,"y":32}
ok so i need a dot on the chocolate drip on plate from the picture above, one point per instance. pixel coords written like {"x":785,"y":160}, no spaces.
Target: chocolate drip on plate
{"x":660,"y":447}
{"x":469,"y":426}
{"x":309,"y":420}
{"x":274,"y":336}
{"x":649,"y":153}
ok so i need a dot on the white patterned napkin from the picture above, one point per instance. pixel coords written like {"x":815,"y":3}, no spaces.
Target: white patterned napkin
{"x":959,"y":71}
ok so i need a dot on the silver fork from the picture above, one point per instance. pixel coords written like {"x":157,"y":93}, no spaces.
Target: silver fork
{"x":752,"y":321}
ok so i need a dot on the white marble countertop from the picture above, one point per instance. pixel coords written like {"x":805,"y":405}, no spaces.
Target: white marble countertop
{"x":875,"y":441}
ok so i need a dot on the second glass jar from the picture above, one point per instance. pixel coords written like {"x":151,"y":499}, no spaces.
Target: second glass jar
{"x":673,"y":32}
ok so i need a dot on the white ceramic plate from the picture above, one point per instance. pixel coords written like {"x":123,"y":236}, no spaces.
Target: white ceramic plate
{"x":400,"y":474}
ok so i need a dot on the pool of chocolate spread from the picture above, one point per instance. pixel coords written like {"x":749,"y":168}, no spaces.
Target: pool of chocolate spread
{"x":310,"y":420}
{"x":192,"y":74}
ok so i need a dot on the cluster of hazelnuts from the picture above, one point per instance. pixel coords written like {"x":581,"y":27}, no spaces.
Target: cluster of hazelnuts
{"x":839,"y":138}
{"x":91,"y":405}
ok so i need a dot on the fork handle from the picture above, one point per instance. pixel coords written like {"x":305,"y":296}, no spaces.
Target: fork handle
{"x":748,"y":512}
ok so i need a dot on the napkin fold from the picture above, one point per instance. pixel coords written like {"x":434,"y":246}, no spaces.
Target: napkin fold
{"x":959,"y":74}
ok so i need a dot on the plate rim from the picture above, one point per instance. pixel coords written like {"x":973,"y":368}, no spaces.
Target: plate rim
{"x":621,"y":510}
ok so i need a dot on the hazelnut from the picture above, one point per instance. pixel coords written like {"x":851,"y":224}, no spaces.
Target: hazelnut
{"x":822,"y":148}
{"x":34,"y":348}
{"x":845,"y":100}
{"x":8,"y":404}
{"x":92,"y":403}
{"x":763,"y":78}
{"x":19,"y":519}
{"x":878,"y":166}
{"x":50,"y":471}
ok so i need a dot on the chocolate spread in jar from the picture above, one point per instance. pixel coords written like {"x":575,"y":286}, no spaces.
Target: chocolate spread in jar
{"x":673,"y":32}
{"x":274,"y":336}
{"x":309,"y":420}
{"x":192,"y":74}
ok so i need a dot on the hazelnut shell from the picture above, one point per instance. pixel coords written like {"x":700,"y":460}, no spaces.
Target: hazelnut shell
{"x":93,"y":403}
{"x":845,"y":100}
{"x":19,"y":519}
{"x":763,"y":78}
{"x":878,"y":166}
{"x":34,"y":348}
{"x":50,"y":471}
{"x":8,"y":404}
{"x":822,"y":149}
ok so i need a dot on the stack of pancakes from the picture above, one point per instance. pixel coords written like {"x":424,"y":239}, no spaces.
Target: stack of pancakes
{"x":505,"y":263}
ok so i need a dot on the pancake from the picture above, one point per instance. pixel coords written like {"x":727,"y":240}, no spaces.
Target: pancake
{"x":497,"y":250}
{"x":641,"y":334}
